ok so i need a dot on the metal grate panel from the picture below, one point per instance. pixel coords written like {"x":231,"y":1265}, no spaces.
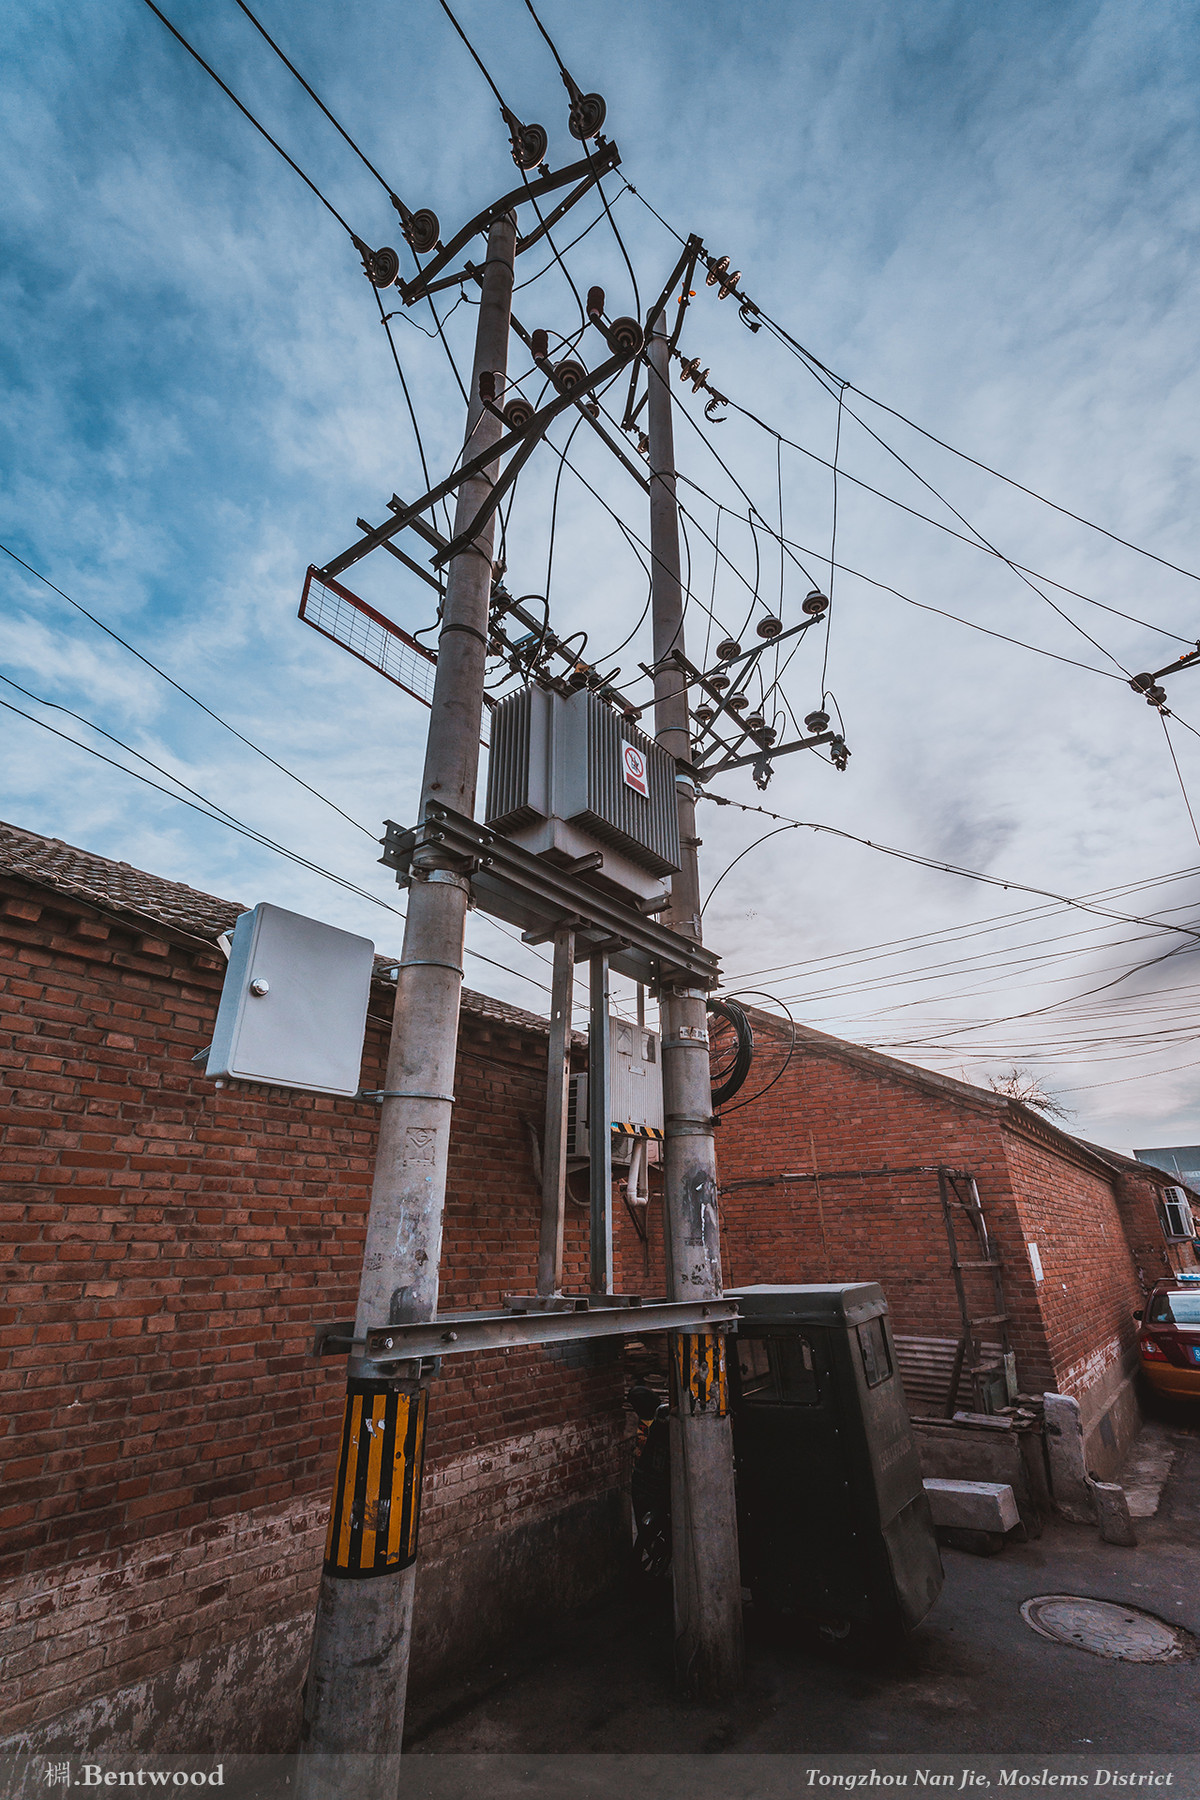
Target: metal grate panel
{"x":926,"y":1365}
{"x":342,"y":617}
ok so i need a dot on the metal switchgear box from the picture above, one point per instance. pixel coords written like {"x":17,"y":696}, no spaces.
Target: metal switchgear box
{"x":294,"y":1006}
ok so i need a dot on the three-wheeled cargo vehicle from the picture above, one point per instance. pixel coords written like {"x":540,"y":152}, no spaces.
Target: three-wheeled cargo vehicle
{"x":833,"y":1519}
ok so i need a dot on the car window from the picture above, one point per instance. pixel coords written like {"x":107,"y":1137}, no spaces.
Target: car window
{"x":777,"y":1370}
{"x":872,"y":1341}
{"x":1174,"y":1309}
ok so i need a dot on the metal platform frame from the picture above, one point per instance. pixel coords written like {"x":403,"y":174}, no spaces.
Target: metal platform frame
{"x":510,"y":883}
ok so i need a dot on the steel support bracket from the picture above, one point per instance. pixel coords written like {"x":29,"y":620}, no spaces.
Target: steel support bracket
{"x":510,"y":883}
{"x":459,"y":1334}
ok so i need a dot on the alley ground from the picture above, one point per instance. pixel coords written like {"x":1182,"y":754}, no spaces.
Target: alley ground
{"x":974,"y":1678}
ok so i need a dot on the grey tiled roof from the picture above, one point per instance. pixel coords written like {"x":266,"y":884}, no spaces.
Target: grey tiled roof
{"x":117,"y":887}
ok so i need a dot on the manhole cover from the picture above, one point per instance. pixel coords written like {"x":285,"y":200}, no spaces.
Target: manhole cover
{"x":1106,"y":1628}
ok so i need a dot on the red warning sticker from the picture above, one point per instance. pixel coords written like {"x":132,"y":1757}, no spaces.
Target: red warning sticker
{"x":633,"y":766}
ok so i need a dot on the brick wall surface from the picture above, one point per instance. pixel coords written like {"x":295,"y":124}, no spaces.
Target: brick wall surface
{"x":1090,"y":1286}
{"x":832,"y":1111}
{"x":168,"y":1249}
{"x":1153,"y":1256}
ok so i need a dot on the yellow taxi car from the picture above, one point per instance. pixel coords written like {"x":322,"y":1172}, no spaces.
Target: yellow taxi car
{"x":1169,"y":1338}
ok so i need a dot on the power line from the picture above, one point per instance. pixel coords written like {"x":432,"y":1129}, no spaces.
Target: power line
{"x":224,"y":723}
{"x":221,"y":817}
{"x":1148,"y":1075}
{"x":245,"y":110}
{"x":926,"y":606}
{"x":813,"y":361}
{"x":313,"y":95}
{"x":188,"y":695}
{"x":997,"y":922}
{"x":973,"y":543}
{"x":945,"y":868}
{"x":1179,"y":774}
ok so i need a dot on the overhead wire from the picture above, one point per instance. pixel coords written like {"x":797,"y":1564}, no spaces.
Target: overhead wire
{"x":245,"y":110}
{"x":814,"y":363}
{"x":1179,"y":774}
{"x":313,"y":95}
{"x":219,"y":816}
{"x":947,"y":868}
{"x":188,"y":695}
{"x":215,"y":716}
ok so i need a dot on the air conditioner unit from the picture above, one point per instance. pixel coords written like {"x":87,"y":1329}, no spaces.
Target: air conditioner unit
{"x":568,"y":777}
{"x":1177,"y":1222}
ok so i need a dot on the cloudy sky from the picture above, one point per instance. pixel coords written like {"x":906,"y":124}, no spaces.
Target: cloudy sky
{"x":984,"y":217}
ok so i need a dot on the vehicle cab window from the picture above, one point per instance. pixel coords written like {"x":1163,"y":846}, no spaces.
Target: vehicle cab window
{"x":777,"y":1371}
{"x":872,"y":1342}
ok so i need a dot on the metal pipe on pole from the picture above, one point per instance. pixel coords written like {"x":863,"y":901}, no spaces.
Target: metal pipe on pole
{"x":600,"y":1240}
{"x":554,"y":1152}
{"x":706,"y":1574}
{"x":358,"y":1673}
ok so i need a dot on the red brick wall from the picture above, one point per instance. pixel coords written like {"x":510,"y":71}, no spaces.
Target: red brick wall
{"x":169,"y":1247}
{"x":832,"y":1113}
{"x":1090,"y":1288}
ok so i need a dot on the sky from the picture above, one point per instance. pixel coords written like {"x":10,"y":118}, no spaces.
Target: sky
{"x":983,"y":217}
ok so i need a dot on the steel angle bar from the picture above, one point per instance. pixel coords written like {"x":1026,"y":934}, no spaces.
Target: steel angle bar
{"x":457,"y":1334}
{"x":406,"y":515}
{"x":684,"y":297}
{"x":510,"y":883}
{"x":740,"y":762}
{"x":586,"y":172}
{"x":496,"y":494}
{"x":618,"y":450}
{"x":562,"y":209}
{"x":439,"y":587}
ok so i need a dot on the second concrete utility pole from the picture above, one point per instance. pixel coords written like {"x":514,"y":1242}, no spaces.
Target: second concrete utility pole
{"x":704,"y":1547}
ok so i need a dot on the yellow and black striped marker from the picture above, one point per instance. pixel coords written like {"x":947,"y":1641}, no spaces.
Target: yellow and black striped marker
{"x":377,"y":1495}
{"x":639,"y":1131}
{"x":698,"y":1364}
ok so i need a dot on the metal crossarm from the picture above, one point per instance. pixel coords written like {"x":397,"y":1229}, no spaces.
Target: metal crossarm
{"x":586,"y":173}
{"x":459,"y":1334}
{"x":742,"y":762}
{"x":406,"y":515}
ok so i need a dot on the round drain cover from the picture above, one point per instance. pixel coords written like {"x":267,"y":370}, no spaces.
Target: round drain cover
{"x":1106,"y":1628}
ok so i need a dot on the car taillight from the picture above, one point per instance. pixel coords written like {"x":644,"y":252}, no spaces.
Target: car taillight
{"x":1168,"y":1345}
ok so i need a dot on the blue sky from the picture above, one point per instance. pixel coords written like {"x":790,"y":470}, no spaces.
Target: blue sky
{"x":986,"y":217}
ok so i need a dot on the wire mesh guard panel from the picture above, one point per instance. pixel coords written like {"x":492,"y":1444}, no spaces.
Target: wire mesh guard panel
{"x":342,"y":617}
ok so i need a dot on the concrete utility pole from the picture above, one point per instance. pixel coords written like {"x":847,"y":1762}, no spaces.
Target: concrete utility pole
{"x":359,"y":1669}
{"x":704,"y":1548}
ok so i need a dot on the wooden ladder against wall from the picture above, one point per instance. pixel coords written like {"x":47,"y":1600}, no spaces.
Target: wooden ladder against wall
{"x":993,"y":1378}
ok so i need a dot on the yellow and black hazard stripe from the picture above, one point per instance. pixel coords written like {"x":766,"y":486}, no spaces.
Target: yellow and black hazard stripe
{"x":639,"y":1131}
{"x":698,"y":1368}
{"x":377,"y":1495}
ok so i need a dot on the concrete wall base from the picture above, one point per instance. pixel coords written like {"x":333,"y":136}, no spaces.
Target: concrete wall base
{"x":245,"y":1695}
